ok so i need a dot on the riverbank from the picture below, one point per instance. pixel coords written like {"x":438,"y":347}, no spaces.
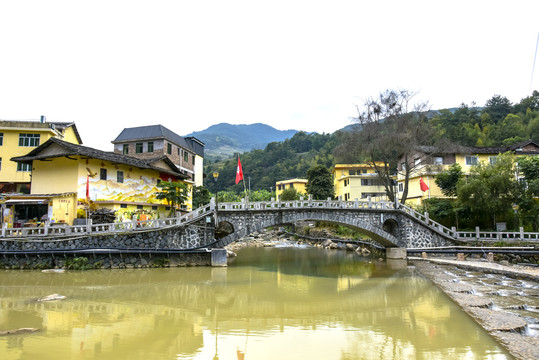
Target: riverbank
{"x":503,"y":299}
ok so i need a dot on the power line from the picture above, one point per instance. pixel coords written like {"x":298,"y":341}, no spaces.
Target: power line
{"x":534,"y":58}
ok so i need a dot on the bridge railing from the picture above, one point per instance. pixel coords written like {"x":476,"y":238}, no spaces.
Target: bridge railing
{"x":299,"y":204}
{"x":506,"y":236}
{"x":425,"y":219}
{"x":57,"y":229}
{"x":477,"y":235}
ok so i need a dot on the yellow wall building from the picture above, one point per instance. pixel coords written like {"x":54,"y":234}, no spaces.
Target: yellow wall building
{"x":298,"y":184}
{"x":358,"y":181}
{"x":428,"y":162}
{"x":17,"y":138}
{"x":118,"y":182}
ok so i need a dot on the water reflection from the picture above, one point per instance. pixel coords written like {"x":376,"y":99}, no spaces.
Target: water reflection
{"x":271,"y":304}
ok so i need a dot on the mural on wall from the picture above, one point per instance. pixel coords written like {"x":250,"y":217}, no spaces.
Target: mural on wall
{"x":140,"y":189}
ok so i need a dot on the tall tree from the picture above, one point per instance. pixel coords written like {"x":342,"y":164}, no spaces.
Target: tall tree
{"x":447,"y":180}
{"x":529,"y":206}
{"x":175,"y":193}
{"x":391,"y":129}
{"x":498,"y":107}
{"x":319,"y":183}
{"x":201,"y":196}
{"x":490,"y":189}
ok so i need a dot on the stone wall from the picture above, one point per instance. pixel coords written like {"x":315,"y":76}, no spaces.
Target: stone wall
{"x":176,"y":237}
{"x":102,"y":261}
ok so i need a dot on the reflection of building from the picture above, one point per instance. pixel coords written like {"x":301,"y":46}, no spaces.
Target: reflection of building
{"x":149,"y":142}
{"x":298,"y":184}
{"x":63,"y":174}
{"x":429,"y":162}
{"x":358,"y":181}
{"x":17,"y":138}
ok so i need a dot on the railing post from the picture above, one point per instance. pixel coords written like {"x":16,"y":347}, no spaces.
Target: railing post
{"x":89,"y":226}
{"x":427,"y":217}
{"x":477,"y":232}
{"x":369,"y":201}
{"x":4,"y":227}
{"x":454,"y":231}
{"x":521,"y":233}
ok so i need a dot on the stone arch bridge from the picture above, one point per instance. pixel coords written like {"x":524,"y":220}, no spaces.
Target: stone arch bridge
{"x":382,"y":221}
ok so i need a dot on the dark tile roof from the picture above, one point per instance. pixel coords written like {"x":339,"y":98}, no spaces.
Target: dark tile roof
{"x":158,"y":132}
{"x":459,"y":149}
{"x":70,"y":149}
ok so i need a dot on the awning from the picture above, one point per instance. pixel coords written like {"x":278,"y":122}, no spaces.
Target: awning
{"x":27,"y":201}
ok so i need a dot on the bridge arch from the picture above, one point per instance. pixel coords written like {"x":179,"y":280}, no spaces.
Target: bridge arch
{"x":245,"y":223}
{"x":391,"y":226}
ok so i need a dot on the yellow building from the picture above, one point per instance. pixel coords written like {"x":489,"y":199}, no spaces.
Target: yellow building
{"x":428,"y":162}
{"x":358,"y":181}
{"x":63,"y":174}
{"x":17,"y":138}
{"x":298,"y":184}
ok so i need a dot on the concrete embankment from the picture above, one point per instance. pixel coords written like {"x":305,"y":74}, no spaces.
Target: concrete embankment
{"x":503,"y":299}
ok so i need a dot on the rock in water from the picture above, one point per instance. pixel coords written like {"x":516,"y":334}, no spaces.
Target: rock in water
{"x":18,"y":331}
{"x":52,"y":297}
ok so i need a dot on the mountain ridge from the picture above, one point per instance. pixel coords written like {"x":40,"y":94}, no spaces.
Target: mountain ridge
{"x":223,"y":140}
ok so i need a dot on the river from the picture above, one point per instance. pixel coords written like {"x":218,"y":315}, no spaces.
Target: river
{"x":271,"y":303}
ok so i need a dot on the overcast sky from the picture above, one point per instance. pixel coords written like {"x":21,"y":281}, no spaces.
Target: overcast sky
{"x":303,"y":65}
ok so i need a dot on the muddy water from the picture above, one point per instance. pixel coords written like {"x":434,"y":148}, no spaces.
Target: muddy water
{"x":272,"y":303}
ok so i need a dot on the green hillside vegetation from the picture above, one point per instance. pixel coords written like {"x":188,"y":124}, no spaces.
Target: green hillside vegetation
{"x":497,"y":123}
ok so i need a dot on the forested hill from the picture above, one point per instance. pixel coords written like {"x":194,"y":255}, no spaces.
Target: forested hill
{"x":223,"y":140}
{"x":497,"y":123}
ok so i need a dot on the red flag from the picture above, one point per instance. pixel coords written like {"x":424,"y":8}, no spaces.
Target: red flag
{"x":87,"y":187}
{"x":239,"y":172}
{"x":424,"y":187}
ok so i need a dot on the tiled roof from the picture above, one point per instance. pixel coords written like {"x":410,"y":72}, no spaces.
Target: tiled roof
{"x":69,"y":149}
{"x":459,"y":149}
{"x":159,"y":132}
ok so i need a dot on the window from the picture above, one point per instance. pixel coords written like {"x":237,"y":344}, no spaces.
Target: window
{"x":103,"y":174}
{"x":1,"y":139}
{"x":29,"y":140}
{"x":0,"y":163}
{"x":471,"y":160}
{"x":401,"y":187}
{"x":351,"y":172}
{"x":186,"y":156}
{"x":139,"y":207}
{"x":154,"y":207}
{"x":492,"y":160}
{"x":179,"y":152}
{"x":291,"y":186}
{"x":120,"y":176}
{"x":123,"y":206}
{"x":193,"y":159}
{"x":417,"y":161}
{"x":138,"y":148}
{"x":438,"y":160}
{"x":125,"y":150}
{"x":403,"y":166}
{"x":169,"y":148}
{"x":24,"y":167}
{"x":150,"y":146}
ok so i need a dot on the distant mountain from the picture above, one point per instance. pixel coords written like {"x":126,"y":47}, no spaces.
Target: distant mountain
{"x":223,"y":140}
